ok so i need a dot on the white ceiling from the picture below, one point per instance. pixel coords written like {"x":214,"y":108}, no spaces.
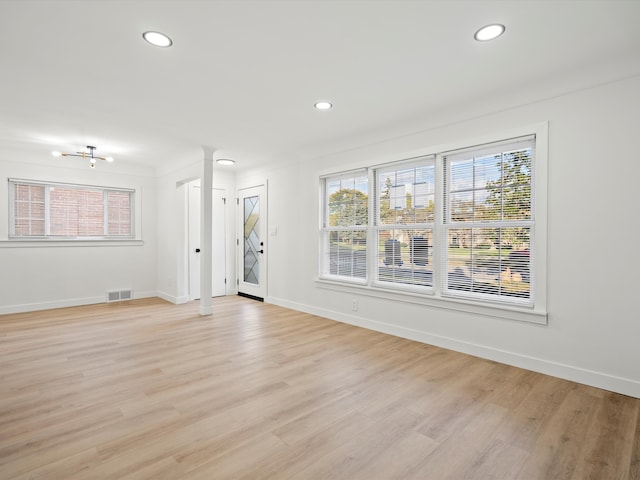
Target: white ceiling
{"x":242,"y":76}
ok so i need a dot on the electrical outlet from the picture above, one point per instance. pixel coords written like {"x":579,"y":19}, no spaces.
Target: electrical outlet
{"x":354,"y":305}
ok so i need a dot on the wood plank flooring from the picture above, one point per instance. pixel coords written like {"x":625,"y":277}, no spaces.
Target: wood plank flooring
{"x":150,"y":390}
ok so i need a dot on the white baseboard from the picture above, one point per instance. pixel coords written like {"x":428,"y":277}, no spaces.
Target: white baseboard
{"x":182,"y":299}
{"x":605,"y":381}
{"x":172,"y":298}
{"x":69,"y":302}
{"x":32,"y":307}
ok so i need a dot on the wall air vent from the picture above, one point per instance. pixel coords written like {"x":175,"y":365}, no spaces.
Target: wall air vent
{"x":119,"y":295}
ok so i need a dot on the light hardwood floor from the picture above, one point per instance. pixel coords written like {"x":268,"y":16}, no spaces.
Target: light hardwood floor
{"x":147,"y":389}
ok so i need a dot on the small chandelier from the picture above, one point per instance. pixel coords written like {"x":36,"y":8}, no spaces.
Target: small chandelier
{"x":90,"y":155}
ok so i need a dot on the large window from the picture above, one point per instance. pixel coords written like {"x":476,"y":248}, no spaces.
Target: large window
{"x":64,"y":211}
{"x":458,"y":224}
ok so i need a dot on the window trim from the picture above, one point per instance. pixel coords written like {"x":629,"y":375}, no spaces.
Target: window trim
{"x":537,"y":312}
{"x":325,"y":229}
{"x":36,"y":243}
{"x":44,"y":240}
{"x":456,"y":304}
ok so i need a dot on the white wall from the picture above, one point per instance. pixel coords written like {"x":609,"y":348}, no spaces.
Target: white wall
{"x":593,"y":328}
{"x":50,"y":276}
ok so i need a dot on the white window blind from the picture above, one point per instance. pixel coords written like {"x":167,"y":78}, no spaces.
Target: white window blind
{"x":488,"y":222}
{"x":404,"y":222}
{"x":344,"y":226}
{"x":65,"y":211}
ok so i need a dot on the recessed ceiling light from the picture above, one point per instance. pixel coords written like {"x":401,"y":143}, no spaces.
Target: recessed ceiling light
{"x":225,"y":161}
{"x":323,"y":105}
{"x":489,"y":32}
{"x":158,"y":39}
{"x":56,"y":154}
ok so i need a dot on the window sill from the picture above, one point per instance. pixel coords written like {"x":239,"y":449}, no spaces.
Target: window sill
{"x":496,"y":311}
{"x":28,"y":243}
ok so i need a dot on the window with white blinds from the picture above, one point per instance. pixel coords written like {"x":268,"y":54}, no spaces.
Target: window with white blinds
{"x":344,"y":226}
{"x":455,"y":226}
{"x":488,"y":221}
{"x":404,"y":223}
{"x":65,"y":211}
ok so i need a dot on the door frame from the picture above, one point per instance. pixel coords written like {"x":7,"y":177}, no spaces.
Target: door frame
{"x":219,"y":279}
{"x":243,"y":288}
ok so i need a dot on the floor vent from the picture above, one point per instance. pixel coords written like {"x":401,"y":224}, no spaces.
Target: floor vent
{"x":119,"y":295}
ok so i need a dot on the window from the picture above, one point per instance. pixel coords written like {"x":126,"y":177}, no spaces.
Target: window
{"x":64,"y":211}
{"x":344,"y":226}
{"x":488,"y":221}
{"x":405,"y":208}
{"x":458,"y":225}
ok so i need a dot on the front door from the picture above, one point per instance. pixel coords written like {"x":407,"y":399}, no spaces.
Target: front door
{"x":252,"y":251}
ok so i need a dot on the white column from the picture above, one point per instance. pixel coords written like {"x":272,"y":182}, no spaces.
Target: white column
{"x":206,"y":233}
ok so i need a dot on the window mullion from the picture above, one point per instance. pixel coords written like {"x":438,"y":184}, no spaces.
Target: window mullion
{"x":373,"y":221}
{"x":439,"y":230}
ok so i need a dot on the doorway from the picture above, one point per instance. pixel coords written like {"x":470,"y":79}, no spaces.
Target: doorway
{"x":252,"y":251}
{"x":218,"y":247}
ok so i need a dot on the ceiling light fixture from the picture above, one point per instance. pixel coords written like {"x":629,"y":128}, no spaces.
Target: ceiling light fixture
{"x":489,"y":32}
{"x":225,"y":161}
{"x":323,"y":105}
{"x":90,"y":155}
{"x":157,"y":39}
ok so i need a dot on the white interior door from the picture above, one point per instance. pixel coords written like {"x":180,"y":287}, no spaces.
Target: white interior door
{"x":218,"y":243}
{"x":252,"y":251}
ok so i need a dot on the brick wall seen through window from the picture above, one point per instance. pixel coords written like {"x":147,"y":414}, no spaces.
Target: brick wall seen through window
{"x":69,"y":211}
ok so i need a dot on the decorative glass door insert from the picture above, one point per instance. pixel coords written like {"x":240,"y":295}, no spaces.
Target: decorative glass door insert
{"x":252,"y":245}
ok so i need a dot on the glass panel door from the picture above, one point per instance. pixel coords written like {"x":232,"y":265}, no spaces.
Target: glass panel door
{"x":252,"y":245}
